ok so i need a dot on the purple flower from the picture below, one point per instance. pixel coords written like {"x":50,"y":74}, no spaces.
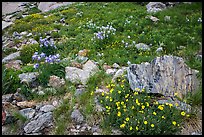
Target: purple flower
{"x":34,"y":57}
{"x":36,"y":53}
{"x":36,"y":66}
{"x":42,"y":55}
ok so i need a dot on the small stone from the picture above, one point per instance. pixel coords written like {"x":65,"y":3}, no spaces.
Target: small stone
{"x":23,"y":33}
{"x":47,"y":108}
{"x":7,"y":98}
{"x":41,"y":92}
{"x":29,"y":34}
{"x":95,"y":133}
{"x":78,"y":126}
{"x":77,"y":116}
{"x":26,"y":104}
{"x":83,"y":128}
{"x":28,"y":112}
{"x":79,"y":91}
{"x":116,"y":66}
{"x":55,"y":103}
{"x":160,"y":49}
{"x":154,"y":19}
{"x":110,"y":71}
{"x":89,"y":127}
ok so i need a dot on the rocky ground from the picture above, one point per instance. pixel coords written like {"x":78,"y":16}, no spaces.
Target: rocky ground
{"x":39,"y":115}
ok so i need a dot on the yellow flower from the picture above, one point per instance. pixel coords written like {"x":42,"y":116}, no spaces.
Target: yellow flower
{"x":118,"y":107}
{"x":124,"y":106}
{"x":122,"y":86}
{"x":174,"y":123}
{"x":178,"y":125}
{"x":119,"y":114}
{"x":141,"y":112}
{"x":127,"y":119}
{"x":122,"y":126}
{"x":136,"y":93}
{"x":176,"y":104}
{"x":102,"y":93}
{"x":188,"y":115}
{"x":136,"y":128}
{"x":143,"y":90}
{"x":154,"y":113}
{"x":167,"y":103}
{"x":136,"y":101}
{"x":130,"y":128}
{"x":183,"y":113}
{"x":175,"y":94}
{"x":111,"y":90}
{"x":123,"y":80}
{"x":133,"y":107}
{"x":145,"y":122}
{"x":126,"y":100}
{"x":143,"y":107}
{"x":127,"y":96}
{"x":101,"y":101}
{"x":117,"y":103}
{"x":137,"y":89}
{"x":160,"y":107}
{"x":147,"y":104}
{"x":119,"y":91}
{"x":163,"y":117}
{"x":111,"y":99}
{"x":152,"y":125}
{"x":124,"y":110}
{"x":170,"y":105}
{"x":122,"y":103}
{"x":92,"y":93}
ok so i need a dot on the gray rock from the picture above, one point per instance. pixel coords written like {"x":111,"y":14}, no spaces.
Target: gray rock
{"x":79,"y":91}
{"x":47,"y":6}
{"x":24,"y":33}
{"x":27,"y":112}
{"x":116,"y":132}
{"x":11,"y":57}
{"x":28,"y":77}
{"x":56,"y":82}
{"x":154,"y":19}
{"x":7,"y":98}
{"x":110,"y":71}
{"x":155,"y":7}
{"x":77,"y":116}
{"x":95,"y":128}
{"x":76,"y":75}
{"x":31,"y":41}
{"x":160,"y":49}
{"x":47,"y":108}
{"x":40,"y":123}
{"x":142,"y":46}
{"x":165,"y":75}
{"x":29,"y":34}
{"x":81,"y":59}
{"x":119,"y":73}
{"x":6,"y":24}
{"x":116,"y":66}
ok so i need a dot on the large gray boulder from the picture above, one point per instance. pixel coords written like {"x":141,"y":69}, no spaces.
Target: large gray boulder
{"x":155,"y":7}
{"x":47,"y":6}
{"x":165,"y":75}
{"x":76,"y":75}
{"x":28,"y":77}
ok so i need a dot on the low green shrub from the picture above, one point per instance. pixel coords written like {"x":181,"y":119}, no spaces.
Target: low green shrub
{"x":27,"y":52}
{"x":136,"y":113}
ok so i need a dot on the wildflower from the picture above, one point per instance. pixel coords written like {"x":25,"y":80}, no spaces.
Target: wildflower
{"x":141,"y":112}
{"x":154,"y":113}
{"x":122,"y":86}
{"x":136,"y":93}
{"x":133,"y":107}
{"x":36,"y":66}
{"x":127,"y":119}
{"x":152,"y":125}
{"x":119,"y":91}
{"x":126,"y":100}
{"x":122,"y":126}
{"x":188,"y":115}
{"x":147,"y":104}
{"x":174,"y":123}
{"x":175,"y":94}
{"x":119,"y":114}
{"x":136,"y":128}
{"x":163,"y":117}
{"x":130,"y":128}
{"x":143,"y":106}
{"x":137,"y":89}
{"x":160,"y":107}
{"x":118,"y":107}
{"x":102,"y":93}
{"x":124,"y":110}
{"x":136,"y":101}
{"x":101,"y":101}
{"x":92,"y":93}
{"x":127,"y":96}
{"x":145,"y":122}
{"x":176,"y":104}
{"x":183,"y":113}
{"x":107,"y":97}
{"x":117,"y":103}
{"x":122,"y":103}
{"x":170,"y":105}
{"x":111,"y":99}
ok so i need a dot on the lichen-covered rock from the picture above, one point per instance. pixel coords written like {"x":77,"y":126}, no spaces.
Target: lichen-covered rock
{"x":155,"y":6}
{"x":165,"y":75}
{"x":38,"y":124}
{"x":56,"y":82}
{"x":11,"y":57}
{"x":28,"y":77}
{"x":77,"y":116}
{"x":76,"y":75}
{"x":27,"y":112}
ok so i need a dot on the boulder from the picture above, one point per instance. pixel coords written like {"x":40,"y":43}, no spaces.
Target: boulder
{"x":155,"y":7}
{"x":76,"y":75}
{"x":11,"y":57}
{"x":38,"y":124}
{"x":165,"y":75}
{"x":47,"y":6}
